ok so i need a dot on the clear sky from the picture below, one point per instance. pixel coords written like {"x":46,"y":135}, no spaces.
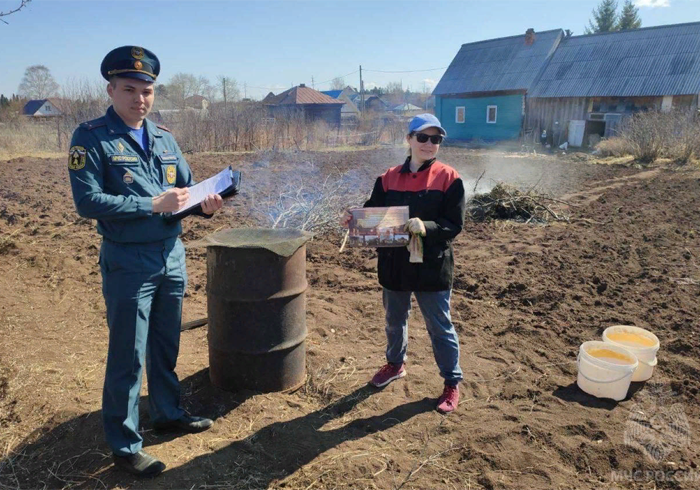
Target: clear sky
{"x":270,"y":46}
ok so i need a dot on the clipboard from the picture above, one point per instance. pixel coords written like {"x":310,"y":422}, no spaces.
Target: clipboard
{"x":226,"y":183}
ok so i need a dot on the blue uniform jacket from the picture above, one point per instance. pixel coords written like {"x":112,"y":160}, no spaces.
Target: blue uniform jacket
{"x":114,"y":179}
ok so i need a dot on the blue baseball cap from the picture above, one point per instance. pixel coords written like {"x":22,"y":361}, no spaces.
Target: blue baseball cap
{"x":424,"y":121}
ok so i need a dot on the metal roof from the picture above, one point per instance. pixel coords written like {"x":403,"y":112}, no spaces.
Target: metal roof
{"x":332,"y":93}
{"x":507,"y":63}
{"x":301,"y":95}
{"x":32,"y":106}
{"x":653,"y":61}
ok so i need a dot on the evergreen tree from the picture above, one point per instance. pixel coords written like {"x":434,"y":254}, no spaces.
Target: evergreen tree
{"x":4,"y":101}
{"x":629,"y":18}
{"x":604,"y":18}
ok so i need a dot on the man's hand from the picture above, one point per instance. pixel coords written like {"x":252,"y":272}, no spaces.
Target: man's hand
{"x":415,"y":226}
{"x":170,"y":200}
{"x":345,"y":219}
{"x":212,"y":203}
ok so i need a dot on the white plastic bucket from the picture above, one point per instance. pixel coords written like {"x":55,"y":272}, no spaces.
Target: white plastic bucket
{"x":642,"y":343}
{"x":605,"y":370}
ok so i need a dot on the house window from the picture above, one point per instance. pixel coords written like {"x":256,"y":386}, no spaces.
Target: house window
{"x":459,"y":115}
{"x":491,"y":114}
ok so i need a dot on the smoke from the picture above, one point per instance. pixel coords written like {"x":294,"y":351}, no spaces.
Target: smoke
{"x":481,"y":170}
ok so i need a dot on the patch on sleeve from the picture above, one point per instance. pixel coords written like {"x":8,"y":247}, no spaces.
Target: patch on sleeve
{"x":76,"y":157}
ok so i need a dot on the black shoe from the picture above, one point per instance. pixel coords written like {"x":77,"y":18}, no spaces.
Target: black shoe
{"x":186,"y":423}
{"x":140,"y":464}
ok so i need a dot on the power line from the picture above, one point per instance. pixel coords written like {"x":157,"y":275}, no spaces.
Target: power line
{"x":342,"y":76}
{"x":407,"y":71}
{"x":353,"y":73}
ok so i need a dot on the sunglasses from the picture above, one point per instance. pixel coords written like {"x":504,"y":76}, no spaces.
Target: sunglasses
{"x":435,"y":139}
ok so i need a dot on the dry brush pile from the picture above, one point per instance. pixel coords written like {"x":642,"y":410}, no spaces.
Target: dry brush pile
{"x":505,"y":202}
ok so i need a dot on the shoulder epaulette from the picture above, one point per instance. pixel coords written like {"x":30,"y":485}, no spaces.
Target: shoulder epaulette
{"x":95,"y":123}
{"x":160,"y":126}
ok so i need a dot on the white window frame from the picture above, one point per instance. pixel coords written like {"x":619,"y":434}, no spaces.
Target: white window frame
{"x":488,"y":110}
{"x":464,"y":114}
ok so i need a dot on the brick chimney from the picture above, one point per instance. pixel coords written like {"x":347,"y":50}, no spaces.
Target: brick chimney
{"x":530,"y":36}
{"x":302,"y":85}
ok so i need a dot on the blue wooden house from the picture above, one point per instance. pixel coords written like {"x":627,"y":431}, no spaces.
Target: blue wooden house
{"x":482,"y":93}
{"x":578,"y":88}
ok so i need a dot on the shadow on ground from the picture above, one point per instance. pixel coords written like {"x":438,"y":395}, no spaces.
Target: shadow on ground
{"x":69,"y":451}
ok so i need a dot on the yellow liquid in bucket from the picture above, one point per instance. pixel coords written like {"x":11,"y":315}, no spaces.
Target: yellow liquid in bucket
{"x":610,"y":356}
{"x":631,"y":339}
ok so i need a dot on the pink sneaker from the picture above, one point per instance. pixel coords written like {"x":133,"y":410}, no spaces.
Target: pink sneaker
{"x":449,"y":399}
{"x":387,"y":374}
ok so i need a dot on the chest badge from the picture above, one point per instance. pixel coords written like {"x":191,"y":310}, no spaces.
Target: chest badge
{"x":120,"y":147}
{"x":170,"y":174}
{"x":128,"y":177}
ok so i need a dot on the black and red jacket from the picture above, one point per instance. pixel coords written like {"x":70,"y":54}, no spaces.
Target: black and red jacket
{"x":435,"y":194}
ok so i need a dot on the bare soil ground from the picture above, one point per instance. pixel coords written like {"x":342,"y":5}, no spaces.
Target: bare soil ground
{"x":525,"y":297}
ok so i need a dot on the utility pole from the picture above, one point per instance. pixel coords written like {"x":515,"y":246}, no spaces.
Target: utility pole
{"x":313,"y":85}
{"x":362,"y":94}
{"x":245,"y":90}
{"x":223,"y":89}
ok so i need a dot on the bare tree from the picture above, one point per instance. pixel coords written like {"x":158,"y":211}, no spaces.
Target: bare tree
{"x":37,"y":83}
{"x":338,"y":83}
{"x":184,"y":85}
{"x":228,"y":87}
{"x":22,"y":4}
{"x":394,"y":92}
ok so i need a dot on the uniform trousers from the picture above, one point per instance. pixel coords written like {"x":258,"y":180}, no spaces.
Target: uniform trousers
{"x":143,"y":285}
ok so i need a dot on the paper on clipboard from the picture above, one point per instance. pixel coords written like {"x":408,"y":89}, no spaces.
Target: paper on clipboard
{"x":213,"y":185}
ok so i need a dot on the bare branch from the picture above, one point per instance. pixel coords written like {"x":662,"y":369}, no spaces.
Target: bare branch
{"x":23,"y":3}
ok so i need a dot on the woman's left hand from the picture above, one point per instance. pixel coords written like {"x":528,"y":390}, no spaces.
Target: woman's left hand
{"x":212,"y":203}
{"x":415,"y":226}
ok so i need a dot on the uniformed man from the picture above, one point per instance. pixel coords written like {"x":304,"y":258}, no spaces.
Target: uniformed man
{"x":128,"y":174}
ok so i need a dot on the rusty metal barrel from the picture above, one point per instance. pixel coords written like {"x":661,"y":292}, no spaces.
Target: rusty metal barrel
{"x":256,"y":295}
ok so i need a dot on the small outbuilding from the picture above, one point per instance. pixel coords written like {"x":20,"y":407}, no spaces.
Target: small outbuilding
{"x":314,"y":105}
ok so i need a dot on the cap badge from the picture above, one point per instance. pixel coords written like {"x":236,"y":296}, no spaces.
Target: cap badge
{"x":138,"y":65}
{"x":137,"y":53}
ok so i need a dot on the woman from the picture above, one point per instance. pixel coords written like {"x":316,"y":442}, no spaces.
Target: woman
{"x":434,"y":194}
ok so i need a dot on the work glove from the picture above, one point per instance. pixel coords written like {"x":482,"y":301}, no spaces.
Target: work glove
{"x":415,"y":226}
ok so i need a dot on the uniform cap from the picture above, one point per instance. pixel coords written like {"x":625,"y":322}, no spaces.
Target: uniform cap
{"x":131,"y":62}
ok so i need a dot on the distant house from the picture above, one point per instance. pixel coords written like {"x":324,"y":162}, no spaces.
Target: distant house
{"x":407,"y":110}
{"x":373,"y":103}
{"x":197,"y":102}
{"x":43,"y":108}
{"x":314,"y":105}
{"x":571,"y":86}
{"x":349,"y":113}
